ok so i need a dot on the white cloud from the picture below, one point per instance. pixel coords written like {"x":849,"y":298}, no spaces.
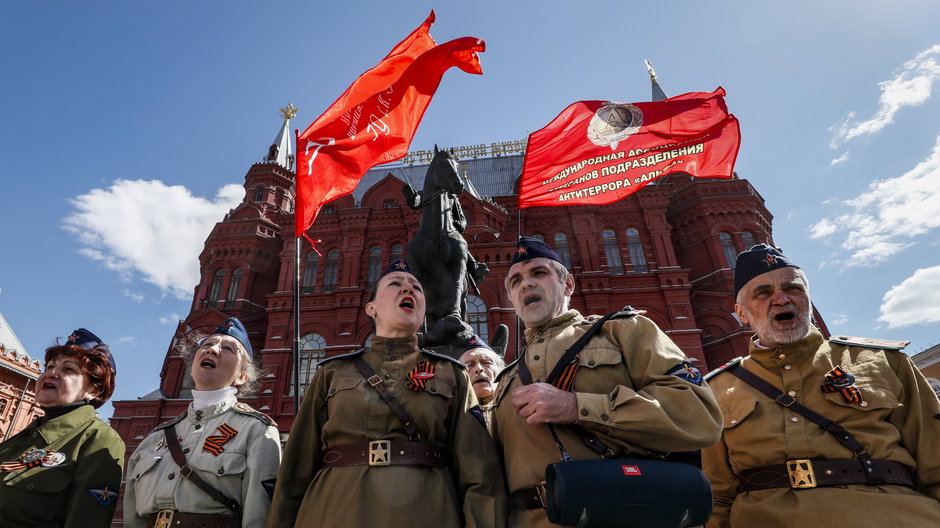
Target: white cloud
{"x":890,"y":215}
{"x":838,"y":319}
{"x":840,"y":159}
{"x":149,"y":229}
{"x":912,"y":85}
{"x":125,"y":340}
{"x":172,"y":319}
{"x":915,"y":301}
{"x":134,"y":296}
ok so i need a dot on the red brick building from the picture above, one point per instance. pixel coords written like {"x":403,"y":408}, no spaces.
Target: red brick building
{"x":668,"y":249}
{"x":18,"y":374}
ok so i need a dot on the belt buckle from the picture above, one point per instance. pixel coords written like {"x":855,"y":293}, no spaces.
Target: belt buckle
{"x":801,"y":473}
{"x":541,"y":493}
{"x":163,"y":519}
{"x":380,"y":453}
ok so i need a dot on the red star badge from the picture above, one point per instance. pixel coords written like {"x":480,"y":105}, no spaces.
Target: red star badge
{"x":770,"y":259}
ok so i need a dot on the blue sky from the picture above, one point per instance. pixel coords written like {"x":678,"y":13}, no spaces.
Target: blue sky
{"x":127,"y":127}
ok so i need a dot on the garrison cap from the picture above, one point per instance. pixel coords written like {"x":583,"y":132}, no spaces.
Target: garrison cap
{"x":85,"y":339}
{"x":396,"y":265}
{"x":756,"y":261}
{"x":530,"y":248}
{"x":233,"y":327}
{"x":478,"y":342}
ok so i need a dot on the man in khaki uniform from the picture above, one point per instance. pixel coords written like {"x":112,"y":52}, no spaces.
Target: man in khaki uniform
{"x":775,"y":467}
{"x":632,"y":387}
{"x":483,"y":365}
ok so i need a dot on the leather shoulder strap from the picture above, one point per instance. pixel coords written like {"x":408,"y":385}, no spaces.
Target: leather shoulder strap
{"x":187,"y":472}
{"x":375,"y":381}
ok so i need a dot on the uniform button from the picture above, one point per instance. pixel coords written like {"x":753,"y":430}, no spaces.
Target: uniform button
{"x":864,"y":404}
{"x":787,"y":367}
{"x":792,"y":394}
{"x":221,"y":471}
{"x":591,"y":363}
{"x":186,"y":450}
{"x":35,"y":434}
{"x":781,"y":356}
{"x":197,"y":426}
{"x":387,"y":376}
{"x":171,"y":476}
{"x":541,"y":340}
{"x":605,"y":417}
{"x":30,"y":486}
{"x":733,"y":421}
{"x":536,"y":357}
{"x":794,"y":419}
{"x":584,"y":412}
{"x":432,"y":389}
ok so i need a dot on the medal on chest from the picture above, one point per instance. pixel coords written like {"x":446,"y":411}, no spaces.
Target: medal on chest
{"x":839,"y":380}
{"x":419,"y":376}
{"x":33,"y":458}
{"x":214,"y":443}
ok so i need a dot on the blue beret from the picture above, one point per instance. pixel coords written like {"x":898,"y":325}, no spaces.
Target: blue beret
{"x":530,"y":248}
{"x":756,"y":261}
{"x":85,"y":339}
{"x":478,"y":342}
{"x":396,"y":265}
{"x":233,"y":327}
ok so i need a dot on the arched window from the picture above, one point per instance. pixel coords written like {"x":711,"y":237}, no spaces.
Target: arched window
{"x":310,"y":272}
{"x":561,"y":247}
{"x":332,"y":267}
{"x":375,"y":266}
{"x":397,"y":253}
{"x":727,"y":247}
{"x":635,"y":247}
{"x":312,"y":350}
{"x":259,"y":193}
{"x":538,"y":237}
{"x":748,"y":238}
{"x":216,"y":290}
{"x":477,"y":316}
{"x":613,"y":252}
{"x":235,"y":285}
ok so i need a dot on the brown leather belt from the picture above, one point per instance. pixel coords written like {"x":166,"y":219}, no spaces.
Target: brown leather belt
{"x":387,"y":453}
{"x":804,"y":474}
{"x":530,"y":498}
{"x":175,"y":519}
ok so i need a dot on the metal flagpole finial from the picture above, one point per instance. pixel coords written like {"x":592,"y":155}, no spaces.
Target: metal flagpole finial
{"x":649,"y":67}
{"x":288,"y":112}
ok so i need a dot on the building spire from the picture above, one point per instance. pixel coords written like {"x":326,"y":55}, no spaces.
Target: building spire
{"x":658,"y":93}
{"x":282,"y":150}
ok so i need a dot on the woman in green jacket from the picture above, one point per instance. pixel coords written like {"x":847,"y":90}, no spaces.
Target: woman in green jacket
{"x":64,"y":469}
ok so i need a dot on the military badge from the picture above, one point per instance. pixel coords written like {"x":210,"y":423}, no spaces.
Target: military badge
{"x":613,"y":122}
{"x":214,"y":443}
{"x":52,"y":459}
{"x":419,"y":376}
{"x":687,"y":371}
{"x":838,"y":380}
{"x":103,"y":496}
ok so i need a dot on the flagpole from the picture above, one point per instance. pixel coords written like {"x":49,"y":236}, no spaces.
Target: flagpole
{"x":518,"y":326}
{"x":296,"y":347}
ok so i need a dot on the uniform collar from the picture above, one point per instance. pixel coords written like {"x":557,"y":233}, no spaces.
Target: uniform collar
{"x":55,"y":428}
{"x":210,"y":412}
{"x":203,"y":399}
{"x":805,"y":347}
{"x":553,"y":326}
{"x":396,"y":346}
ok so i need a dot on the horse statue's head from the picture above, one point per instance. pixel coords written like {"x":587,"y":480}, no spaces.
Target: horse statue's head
{"x":443,"y":173}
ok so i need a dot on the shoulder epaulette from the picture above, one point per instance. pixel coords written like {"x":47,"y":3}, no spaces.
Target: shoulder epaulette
{"x":868,"y":342}
{"x":443,"y":356}
{"x":341,"y":356}
{"x":623,"y":313}
{"x":723,"y":368}
{"x":506,"y":369}
{"x":247,"y":410}
{"x":174,"y":421}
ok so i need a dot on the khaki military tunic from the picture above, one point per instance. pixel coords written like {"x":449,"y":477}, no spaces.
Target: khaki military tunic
{"x":76,"y":485}
{"x":624,"y":396}
{"x":898,"y":422}
{"x":340,"y":408}
{"x":247,"y":464}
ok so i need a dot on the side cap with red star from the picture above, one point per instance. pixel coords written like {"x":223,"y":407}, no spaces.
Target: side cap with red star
{"x":756,"y":261}
{"x":530,"y":248}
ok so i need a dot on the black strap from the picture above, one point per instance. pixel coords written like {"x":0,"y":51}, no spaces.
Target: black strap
{"x":840,"y":433}
{"x":375,"y":381}
{"x":187,"y":472}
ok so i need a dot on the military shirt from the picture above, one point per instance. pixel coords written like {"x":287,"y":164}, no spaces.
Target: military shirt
{"x":233,"y":448}
{"x":899,"y":420}
{"x":76,"y":484}
{"x":340,"y":408}
{"x":625,"y":397}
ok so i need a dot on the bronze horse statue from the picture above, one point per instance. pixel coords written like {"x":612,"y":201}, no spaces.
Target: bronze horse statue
{"x":438,"y":256}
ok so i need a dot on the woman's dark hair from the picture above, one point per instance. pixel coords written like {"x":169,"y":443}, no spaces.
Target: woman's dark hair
{"x":95,"y":362}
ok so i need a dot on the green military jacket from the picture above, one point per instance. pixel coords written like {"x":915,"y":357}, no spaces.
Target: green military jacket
{"x":340,"y":408}
{"x":636,"y":391}
{"x":897,"y":420}
{"x":72,"y":473}
{"x":234,"y":448}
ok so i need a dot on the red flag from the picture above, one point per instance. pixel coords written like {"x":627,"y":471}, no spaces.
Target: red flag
{"x":376,"y":118}
{"x":598,"y":152}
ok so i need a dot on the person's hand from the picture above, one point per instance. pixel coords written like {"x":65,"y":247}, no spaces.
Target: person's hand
{"x":544,"y":403}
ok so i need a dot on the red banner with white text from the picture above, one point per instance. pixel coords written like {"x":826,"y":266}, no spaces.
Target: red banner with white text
{"x":374,"y":121}
{"x":598,"y":152}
